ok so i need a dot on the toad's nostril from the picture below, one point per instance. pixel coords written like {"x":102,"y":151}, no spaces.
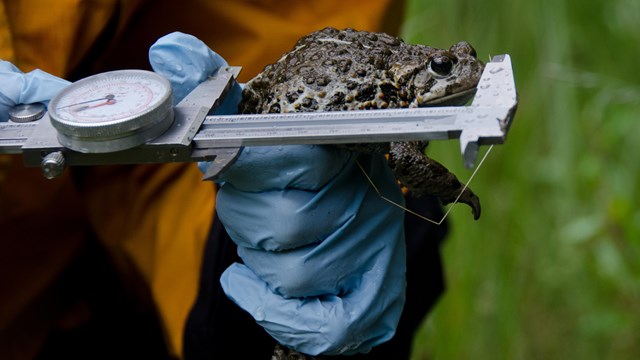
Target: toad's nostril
{"x":473,"y":52}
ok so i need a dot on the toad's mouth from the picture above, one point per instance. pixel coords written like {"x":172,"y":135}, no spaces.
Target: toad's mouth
{"x":459,"y":98}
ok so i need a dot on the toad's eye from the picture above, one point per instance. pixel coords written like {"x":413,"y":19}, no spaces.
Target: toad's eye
{"x":441,"y":65}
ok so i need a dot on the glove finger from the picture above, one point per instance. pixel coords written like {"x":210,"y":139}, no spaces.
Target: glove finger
{"x":21,"y":88}
{"x":289,"y":213}
{"x":184,"y":60}
{"x":277,"y":220}
{"x":8,"y":67}
{"x":41,"y":87}
{"x":329,"y":324}
{"x":333,"y":266}
{"x":298,"y":215}
{"x":267,"y":168}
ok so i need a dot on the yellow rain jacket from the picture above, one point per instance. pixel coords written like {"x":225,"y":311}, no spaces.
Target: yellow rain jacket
{"x":153,"y":220}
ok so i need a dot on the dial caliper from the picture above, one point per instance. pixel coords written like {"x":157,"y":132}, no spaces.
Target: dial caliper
{"x":127,"y":117}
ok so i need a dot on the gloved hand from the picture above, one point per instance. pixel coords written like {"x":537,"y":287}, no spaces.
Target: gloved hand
{"x":17,"y":87}
{"x":324,"y":256}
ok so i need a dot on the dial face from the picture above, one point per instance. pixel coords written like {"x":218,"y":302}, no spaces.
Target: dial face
{"x":110,"y":97}
{"x":112,"y":111}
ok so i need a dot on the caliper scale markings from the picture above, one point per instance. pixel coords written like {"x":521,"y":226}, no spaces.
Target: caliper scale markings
{"x":325,"y":128}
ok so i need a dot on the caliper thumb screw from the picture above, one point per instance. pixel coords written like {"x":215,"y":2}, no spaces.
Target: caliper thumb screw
{"x":53,"y":165}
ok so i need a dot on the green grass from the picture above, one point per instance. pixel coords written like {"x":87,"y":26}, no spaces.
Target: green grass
{"x":552,"y":269}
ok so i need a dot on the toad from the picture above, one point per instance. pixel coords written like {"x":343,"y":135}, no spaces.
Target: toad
{"x":342,"y":70}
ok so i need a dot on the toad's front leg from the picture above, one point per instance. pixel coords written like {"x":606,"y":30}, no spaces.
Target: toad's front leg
{"x":424,"y":176}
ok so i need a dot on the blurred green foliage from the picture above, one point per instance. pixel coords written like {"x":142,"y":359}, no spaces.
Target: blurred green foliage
{"x":552,"y":269}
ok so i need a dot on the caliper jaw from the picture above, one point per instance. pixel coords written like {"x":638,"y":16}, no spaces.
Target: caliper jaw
{"x":491,"y":111}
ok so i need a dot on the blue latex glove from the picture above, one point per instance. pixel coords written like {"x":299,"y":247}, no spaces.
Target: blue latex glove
{"x":186,"y":62}
{"x":324,"y":256}
{"x":17,"y":87}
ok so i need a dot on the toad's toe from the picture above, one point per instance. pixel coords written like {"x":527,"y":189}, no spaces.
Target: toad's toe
{"x":469,"y":198}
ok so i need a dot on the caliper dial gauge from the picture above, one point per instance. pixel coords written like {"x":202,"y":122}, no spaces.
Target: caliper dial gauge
{"x":112,"y":111}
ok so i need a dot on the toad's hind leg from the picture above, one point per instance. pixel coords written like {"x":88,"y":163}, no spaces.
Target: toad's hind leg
{"x":424,"y":176}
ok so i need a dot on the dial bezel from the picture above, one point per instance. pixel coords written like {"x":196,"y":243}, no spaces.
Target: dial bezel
{"x":117,"y":131}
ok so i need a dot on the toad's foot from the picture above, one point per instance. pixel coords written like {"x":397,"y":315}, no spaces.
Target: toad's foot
{"x":284,"y":353}
{"x":467,"y":197}
{"x":425,"y":176}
